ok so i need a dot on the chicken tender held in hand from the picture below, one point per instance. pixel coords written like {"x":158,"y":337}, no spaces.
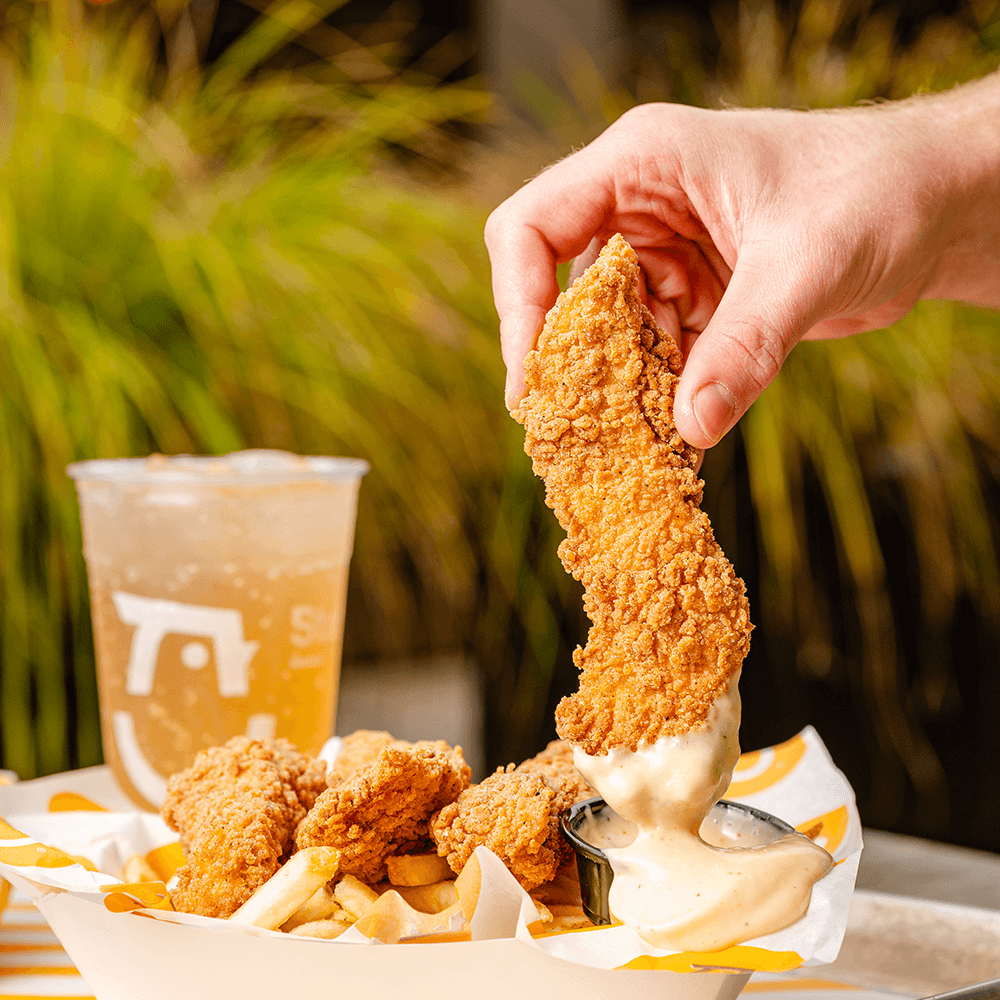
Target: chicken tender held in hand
{"x":384,"y":808}
{"x":513,"y":813}
{"x":236,"y":809}
{"x":670,"y":617}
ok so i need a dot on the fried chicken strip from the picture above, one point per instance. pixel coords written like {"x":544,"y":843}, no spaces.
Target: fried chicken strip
{"x":384,"y":808}
{"x":670,"y":621}
{"x":236,"y":809}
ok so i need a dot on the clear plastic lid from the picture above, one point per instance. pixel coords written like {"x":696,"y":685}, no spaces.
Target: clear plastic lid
{"x":254,"y":466}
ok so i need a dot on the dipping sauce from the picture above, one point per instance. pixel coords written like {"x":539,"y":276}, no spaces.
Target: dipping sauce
{"x":680,"y":882}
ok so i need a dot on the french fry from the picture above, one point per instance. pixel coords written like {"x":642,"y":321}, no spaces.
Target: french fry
{"x":561,"y":917}
{"x":559,"y":910}
{"x":354,"y":896}
{"x":468,"y":885}
{"x":430,"y":898}
{"x":137,"y":869}
{"x":564,"y":888}
{"x":567,"y":917}
{"x":321,"y":929}
{"x":319,"y":906}
{"x":568,"y":924}
{"x":417,"y":869}
{"x":544,"y":922}
{"x":388,"y":919}
{"x":288,"y":888}
{"x":392,"y":918}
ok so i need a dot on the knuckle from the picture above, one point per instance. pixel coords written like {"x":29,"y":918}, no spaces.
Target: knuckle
{"x":668,"y":122}
{"x":642,"y":118}
{"x":757,"y":350}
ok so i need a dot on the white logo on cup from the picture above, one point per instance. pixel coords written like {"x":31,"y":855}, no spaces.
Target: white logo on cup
{"x":154,"y":619}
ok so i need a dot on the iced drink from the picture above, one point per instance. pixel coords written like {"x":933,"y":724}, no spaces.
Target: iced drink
{"x":218,"y":587}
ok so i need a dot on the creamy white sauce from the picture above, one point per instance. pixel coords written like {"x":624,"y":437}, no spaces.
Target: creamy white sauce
{"x":673,"y":888}
{"x":606,"y":828}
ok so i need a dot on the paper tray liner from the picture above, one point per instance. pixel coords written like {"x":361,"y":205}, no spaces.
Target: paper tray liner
{"x":121,"y":943}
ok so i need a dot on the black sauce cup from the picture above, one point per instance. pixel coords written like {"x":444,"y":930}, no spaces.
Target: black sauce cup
{"x":737,"y":820}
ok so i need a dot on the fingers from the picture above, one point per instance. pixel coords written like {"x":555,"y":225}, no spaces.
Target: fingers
{"x":548,"y":221}
{"x":691,"y":277}
{"x":582,"y":261}
{"x":758,"y":321}
{"x":524,"y":289}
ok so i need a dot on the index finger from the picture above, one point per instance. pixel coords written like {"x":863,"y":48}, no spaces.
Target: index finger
{"x":550,"y":220}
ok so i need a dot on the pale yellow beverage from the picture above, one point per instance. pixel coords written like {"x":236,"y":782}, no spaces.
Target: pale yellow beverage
{"x":218,"y":588}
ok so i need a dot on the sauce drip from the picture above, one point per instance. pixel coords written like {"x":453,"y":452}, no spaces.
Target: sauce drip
{"x":673,"y":888}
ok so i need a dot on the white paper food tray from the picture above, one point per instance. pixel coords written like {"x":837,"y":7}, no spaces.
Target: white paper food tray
{"x":157,"y":953}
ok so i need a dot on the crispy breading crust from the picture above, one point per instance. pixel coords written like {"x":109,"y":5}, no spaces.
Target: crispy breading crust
{"x":362,"y":748}
{"x":555,"y":763}
{"x":515,"y":815}
{"x":670,"y":617}
{"x":384,"y":808}
{"x":308,"y":774}
{"x":236,"y":809}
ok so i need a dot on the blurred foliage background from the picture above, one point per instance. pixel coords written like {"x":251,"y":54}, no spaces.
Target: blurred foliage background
{"x":228,"y":224}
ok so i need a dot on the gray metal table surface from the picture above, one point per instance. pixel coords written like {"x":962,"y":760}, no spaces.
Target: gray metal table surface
{"x":925,"y":869}
{"x":925,"y":918}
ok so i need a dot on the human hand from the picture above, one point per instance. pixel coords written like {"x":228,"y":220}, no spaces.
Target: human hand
{"x":754,"y":229}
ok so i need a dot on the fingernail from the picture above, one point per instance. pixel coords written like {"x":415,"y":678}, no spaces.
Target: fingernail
{"x":714,"y":407}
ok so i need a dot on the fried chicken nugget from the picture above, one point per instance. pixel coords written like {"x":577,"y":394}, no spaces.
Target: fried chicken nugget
{"x":385,"y":808}
{"x":513,"y":813}
{"x":362,"y":748}
{"x":236,"y":809}
{"x":555,"y":762}
{"x":308,"y":774}
{"x":670,"y":621}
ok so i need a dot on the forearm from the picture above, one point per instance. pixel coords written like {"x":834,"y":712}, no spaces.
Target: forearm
{"x":963,"y":138}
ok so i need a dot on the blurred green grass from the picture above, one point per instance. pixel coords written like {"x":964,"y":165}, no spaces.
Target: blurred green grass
{"x":870,"y":452}
{"x":273,"y":252}
{"x":237,"y":259}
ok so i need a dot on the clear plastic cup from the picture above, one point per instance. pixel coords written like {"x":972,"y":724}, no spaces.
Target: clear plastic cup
{"x":218,"y":587}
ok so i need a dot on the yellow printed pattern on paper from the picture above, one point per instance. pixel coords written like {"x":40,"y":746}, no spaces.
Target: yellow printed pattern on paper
{"x":71,"y":802}
{"x":736,"y":959}
{"x":827,"y":830}
{"x":124,"y":897}
{"x":32,"y":855}
{"x":766,"y":767}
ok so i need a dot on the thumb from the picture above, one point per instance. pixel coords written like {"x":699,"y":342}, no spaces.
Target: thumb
{"x":756,"y":324}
